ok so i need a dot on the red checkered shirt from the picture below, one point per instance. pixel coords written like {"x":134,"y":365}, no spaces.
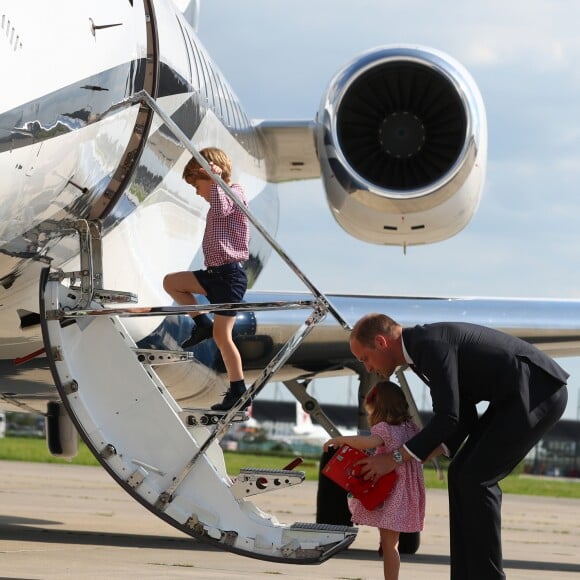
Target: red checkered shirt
{"x":227,"y":231}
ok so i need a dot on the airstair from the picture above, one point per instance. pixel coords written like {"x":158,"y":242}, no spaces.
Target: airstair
{"x":167,"y":457}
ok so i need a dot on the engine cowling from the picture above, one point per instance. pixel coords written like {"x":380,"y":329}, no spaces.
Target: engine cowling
{"x":401,"y":137}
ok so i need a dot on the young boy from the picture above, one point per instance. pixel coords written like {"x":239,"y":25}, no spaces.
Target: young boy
{"x":224,"y":280}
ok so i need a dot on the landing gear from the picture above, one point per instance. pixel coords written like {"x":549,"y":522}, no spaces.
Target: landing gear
{"x":331,"y":504}
{"x":409,"y":542}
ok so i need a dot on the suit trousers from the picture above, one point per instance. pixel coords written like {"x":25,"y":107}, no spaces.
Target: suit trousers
{"x":503,"y":436}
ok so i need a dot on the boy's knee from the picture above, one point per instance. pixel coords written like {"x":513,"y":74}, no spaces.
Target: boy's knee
{"x":223,"y":341}
{"x":167,"y":282}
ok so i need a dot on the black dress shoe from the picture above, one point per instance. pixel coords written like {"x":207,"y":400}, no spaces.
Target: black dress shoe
{"x":229,"y":400}
{"x":198,"y":335}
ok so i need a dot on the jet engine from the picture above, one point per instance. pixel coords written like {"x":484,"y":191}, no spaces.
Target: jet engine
{"x":401,"y":137}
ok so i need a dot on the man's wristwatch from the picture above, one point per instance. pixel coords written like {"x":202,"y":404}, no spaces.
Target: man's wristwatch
{"x":398,"y":457}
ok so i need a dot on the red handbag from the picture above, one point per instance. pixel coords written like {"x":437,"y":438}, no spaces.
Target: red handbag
{"x":340,"y":469}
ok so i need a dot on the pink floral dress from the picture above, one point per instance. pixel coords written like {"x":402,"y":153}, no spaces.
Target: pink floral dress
{"x":404,"y":509}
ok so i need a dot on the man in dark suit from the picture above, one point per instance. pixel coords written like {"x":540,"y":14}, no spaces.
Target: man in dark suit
{"x":464,"y":364}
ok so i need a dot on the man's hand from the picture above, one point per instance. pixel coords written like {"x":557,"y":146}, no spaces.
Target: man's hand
{"x":439,"y":450}
{"x":376,"y":466}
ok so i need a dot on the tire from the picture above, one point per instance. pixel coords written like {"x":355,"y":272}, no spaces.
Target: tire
{"x":331,"y":504}
{"x":409,"y":542}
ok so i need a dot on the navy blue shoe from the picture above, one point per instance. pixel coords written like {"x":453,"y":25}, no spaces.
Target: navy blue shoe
{"x":198,"y":334}
{"x":231,"y":397}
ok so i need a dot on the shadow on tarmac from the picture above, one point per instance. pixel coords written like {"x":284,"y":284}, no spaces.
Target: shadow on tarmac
{"x":27,"y":529}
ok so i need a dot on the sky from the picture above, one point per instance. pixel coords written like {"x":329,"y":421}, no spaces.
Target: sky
{"x":525,"y":57}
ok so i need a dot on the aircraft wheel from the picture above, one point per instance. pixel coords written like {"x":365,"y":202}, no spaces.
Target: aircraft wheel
{"x":331,"y":504}
{"x":409,"y":542}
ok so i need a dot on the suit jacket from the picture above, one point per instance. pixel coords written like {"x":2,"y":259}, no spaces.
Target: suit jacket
{"x":464,"y":364}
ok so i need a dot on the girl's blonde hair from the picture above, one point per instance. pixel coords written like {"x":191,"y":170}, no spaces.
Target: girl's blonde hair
{"x":211,"y":155}
{"x":386,"y":402}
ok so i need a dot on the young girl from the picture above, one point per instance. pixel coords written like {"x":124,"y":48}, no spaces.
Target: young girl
{"x":404,"y":510}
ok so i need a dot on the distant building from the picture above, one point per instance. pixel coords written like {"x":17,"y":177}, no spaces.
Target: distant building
{"x":557,"y":454}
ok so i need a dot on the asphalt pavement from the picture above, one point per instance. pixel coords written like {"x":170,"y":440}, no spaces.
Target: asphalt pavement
{"x":61,"y":521}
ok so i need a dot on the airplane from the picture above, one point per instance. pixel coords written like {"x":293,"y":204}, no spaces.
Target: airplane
{"x":304,"y":431}
{"x":103,"y":104}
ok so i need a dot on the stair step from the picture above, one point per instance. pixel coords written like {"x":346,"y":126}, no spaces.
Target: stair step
{"x":195,"y":417}
{"x":253,"y":480}
{"x":114,"y":296}
{"x":161,"y":357}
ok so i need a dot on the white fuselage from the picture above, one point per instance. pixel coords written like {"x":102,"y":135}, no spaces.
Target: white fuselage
{"x":70,"y":149}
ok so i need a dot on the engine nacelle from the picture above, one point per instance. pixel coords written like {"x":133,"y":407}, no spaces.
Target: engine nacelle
{"x":402,"y":142}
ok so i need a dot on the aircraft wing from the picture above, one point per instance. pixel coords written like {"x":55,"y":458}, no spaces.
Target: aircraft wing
{"x":551,"y":325}
{"x":293,"y":151}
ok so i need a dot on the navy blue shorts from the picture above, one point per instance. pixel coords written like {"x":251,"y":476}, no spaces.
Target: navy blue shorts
{"x":224,"y":285}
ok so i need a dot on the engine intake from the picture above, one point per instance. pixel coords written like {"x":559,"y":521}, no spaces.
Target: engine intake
{"x":401,"y":126}
{"x":402,"y":140}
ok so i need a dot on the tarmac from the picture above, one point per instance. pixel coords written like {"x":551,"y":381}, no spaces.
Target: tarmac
{"x":61,"y":521}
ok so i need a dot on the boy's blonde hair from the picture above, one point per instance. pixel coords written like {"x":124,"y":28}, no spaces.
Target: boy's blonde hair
{"x":386,"y":402}
{"x":211,"y":155}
